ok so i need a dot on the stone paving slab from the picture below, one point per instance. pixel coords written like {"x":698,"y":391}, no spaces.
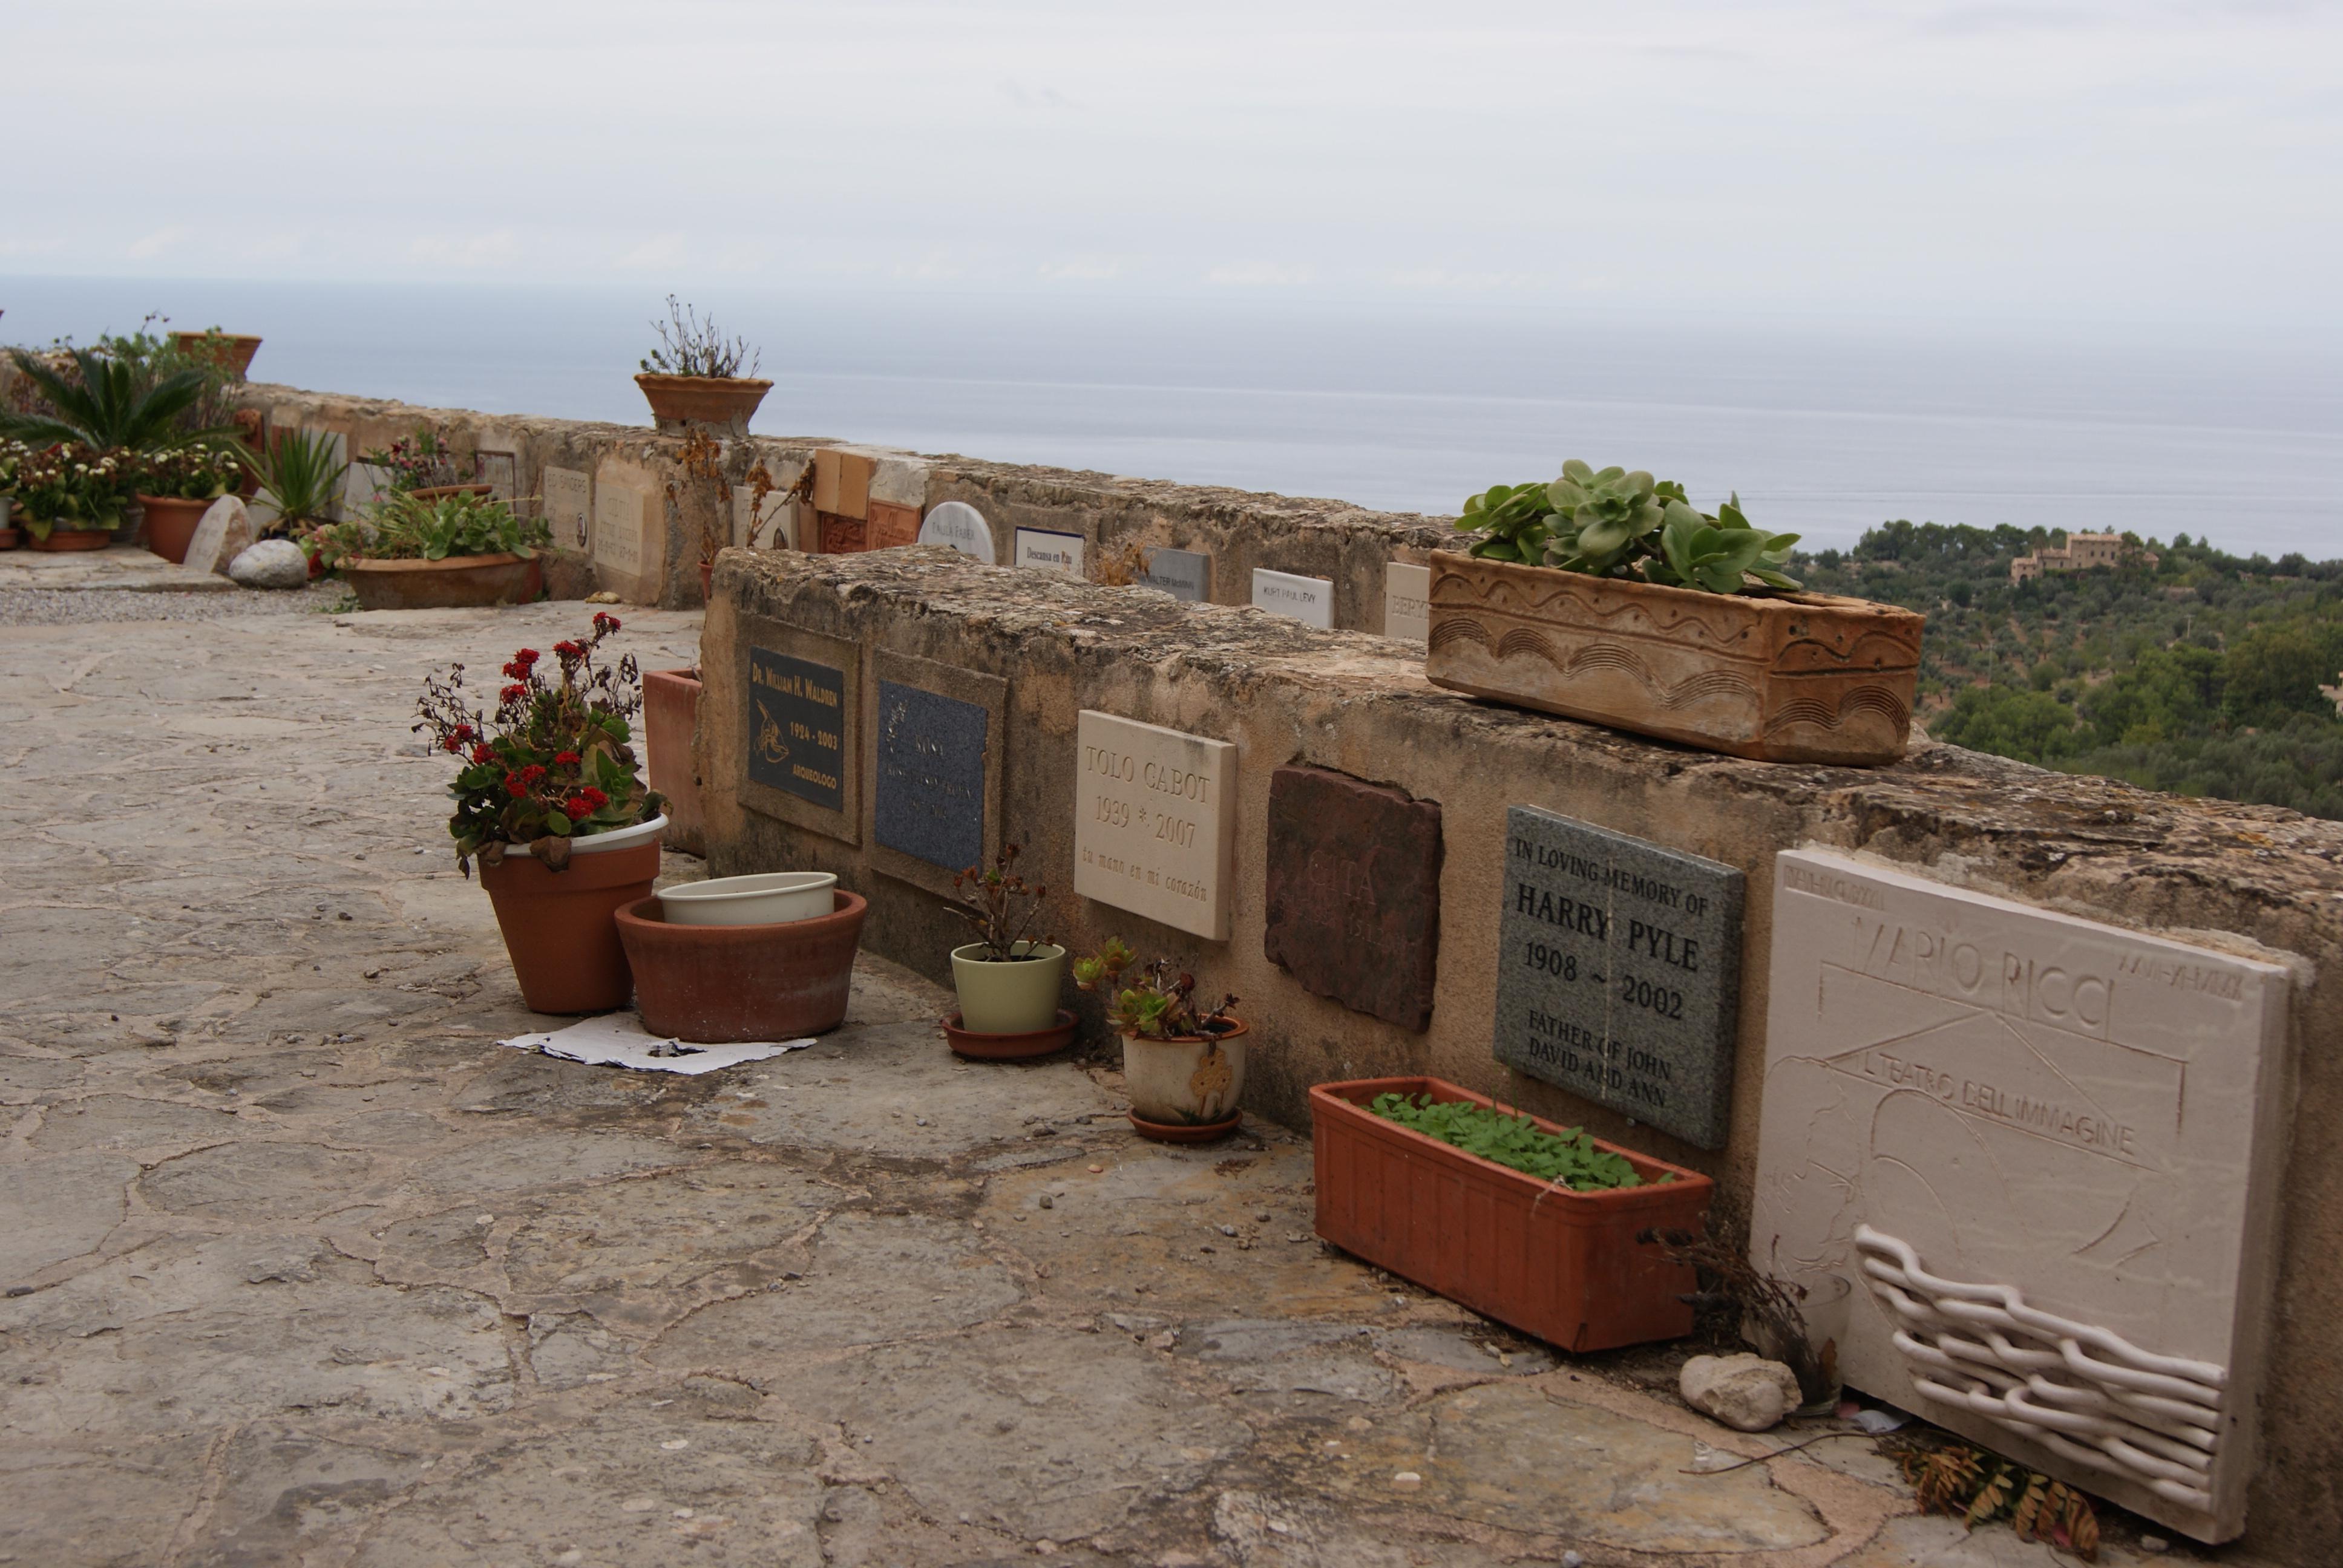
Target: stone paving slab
{"x":121,"y":568}
{"x":304,"y":1268}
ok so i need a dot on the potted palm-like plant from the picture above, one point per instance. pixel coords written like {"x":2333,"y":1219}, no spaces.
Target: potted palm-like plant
{"x":551,"y":802}
{"x":694,"y":376}
{"x":1183,"y":1063}
{"x":1007,"y":978}
{"x":1606,"y":595}
{"x":105,"y":408}
{"x":456,"y":550}
{"x":300,"y":480}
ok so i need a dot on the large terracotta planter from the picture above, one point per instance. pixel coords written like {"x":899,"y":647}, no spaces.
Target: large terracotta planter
{"x":1563,"y":1265}
{"x":232,"y":350}
{"x":559,"y":927}
{"x":171,"y":525}
{"x":703,"y":399}
{"x":460,"y":582}
{"x":671,"y":713}
{"x":10,"y":539}
{"x":1184,"y":1082}
{"x":710,"y":984}
{"x":1795,"y":678}
{"x":61,"y":539}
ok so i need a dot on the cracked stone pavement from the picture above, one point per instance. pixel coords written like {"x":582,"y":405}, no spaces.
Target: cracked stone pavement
{"x":302,"y":1267}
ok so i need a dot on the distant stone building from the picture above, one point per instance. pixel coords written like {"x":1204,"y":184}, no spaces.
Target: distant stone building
{"x":2080,"y":554}
{"x":2334,"y":694}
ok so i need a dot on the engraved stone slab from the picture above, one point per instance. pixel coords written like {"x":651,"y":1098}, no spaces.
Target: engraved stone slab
{"x":621,"y":521}
{"x":962,"y":527}
{"x":779,"y":519}
{"x":803,"y":715}
{"x":568,"y":503}
{"x":363,"y":485}
{"x":1049,"y":551}
{"x":1353,"y":907}
{"x":1183,"y":573}
{"x":224,"y":533}
{"x":1619,"y":972}
{"x":1310,"y":600}
{"x":2069,"y":1128}
{"x":928,"y":786}
{"x":500,"y":471}
{"x":1407,"y":602}
{"x":1155,"y":821}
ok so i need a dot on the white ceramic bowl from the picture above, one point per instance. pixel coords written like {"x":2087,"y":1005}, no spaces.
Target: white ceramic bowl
{"x":617,"y":839}
{"x":768,"y":898}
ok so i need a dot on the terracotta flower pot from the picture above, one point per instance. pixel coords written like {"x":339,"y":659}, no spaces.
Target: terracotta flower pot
{"x":708,"y":984}
{"x":61,"y":539}
{"x":1025,"y":1047}
{"x":171,"y":525}
{"x":460,"y":582}
{"x":558,"y":928}
{"x":671,"y":714}
{"x":10,"y":539}
{"x":1184,"y":1082}
{"x":232,"y":350}
{"x":1563,"y":1265}
{"x":703,"y":399}
{"x":1793,"y":678}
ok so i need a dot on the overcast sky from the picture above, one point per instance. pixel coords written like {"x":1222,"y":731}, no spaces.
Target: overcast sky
{"x":2133,"y":159}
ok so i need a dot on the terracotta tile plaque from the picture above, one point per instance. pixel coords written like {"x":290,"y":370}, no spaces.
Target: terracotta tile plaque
{"x":892,"y":525}
{"x":2047,"y":1152}
{"x":1354,"y":909}
{"x":1619,"y":972}
{"x":842,"y":535}
{"x":1154,"y":822}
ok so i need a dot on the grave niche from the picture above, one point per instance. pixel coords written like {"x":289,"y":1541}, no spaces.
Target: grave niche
{"x":2046,"y":1150}
{"x":568,"y":503}
{"x":803,"y":727}
{"x":1185,"y":574}
{"x":1618,"y":972}
{"x":1353,"y":905}
{"x":1310,"y":600}
{"x":935,"y":769}
{"x":1154,"y":823}
{"x":962,"y":527}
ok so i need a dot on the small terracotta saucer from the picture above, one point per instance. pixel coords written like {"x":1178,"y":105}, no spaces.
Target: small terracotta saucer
{"x":1010,"y":1047}
{"x":1180,"y":1132}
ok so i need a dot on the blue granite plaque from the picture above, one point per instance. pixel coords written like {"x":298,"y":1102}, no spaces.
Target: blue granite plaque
{"x":930,"y":801}
{"x":797,"y":726}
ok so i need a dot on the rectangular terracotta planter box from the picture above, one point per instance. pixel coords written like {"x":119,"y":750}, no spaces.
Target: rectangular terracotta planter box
{"x":1795,"y":677}
{"x":671,"y":713}
{"x":1562,"y":1265}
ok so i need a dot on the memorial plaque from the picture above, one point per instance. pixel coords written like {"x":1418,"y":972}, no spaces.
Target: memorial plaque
{"x":1353,"y":907}
{"x":1183,"y":573}
{"x":1049,"y":551}
{"x":500,"y":471}
{"x":568,"y":503}
{"x":891,"y":525}
{"x":1407,"y":602}
{"x":963,"y":528}
{"x":928,"y":787}
{"x":363,"y":485}
{"x":797,"y":728}
{"x":1310,"y":600}
{"x":621,"y":518}
{"x":779,"y":531}
{"x":1154,"y":822}
{"x":842,"y":535}
{"x":2046,"y":1150}
{"x":1619,"y":972}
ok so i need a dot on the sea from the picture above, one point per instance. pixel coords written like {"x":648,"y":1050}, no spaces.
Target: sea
{"x":1823,"y":426}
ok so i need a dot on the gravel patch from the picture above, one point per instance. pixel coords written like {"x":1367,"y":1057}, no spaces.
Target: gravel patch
{"x":54,"y":607}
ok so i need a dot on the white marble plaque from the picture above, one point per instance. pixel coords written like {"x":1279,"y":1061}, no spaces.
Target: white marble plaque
{"x":620,"y":514}
{"x":365,"y":484}
{"x":1049,"y":551}
{"x":568,"y":502}
{"x":2046,"y":1151}
{"x":963,"y":528}
{"x":1155,"y":821}
{"x":780,"y":519}
{"x":1407,"y":594}
{"x":1310,"y":600}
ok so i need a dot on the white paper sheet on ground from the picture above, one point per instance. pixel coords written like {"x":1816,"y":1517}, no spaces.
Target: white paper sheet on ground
{"x":619,"y":1040}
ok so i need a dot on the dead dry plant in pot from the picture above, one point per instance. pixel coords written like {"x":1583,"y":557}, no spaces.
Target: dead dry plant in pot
{"x":1746,"y":1297}
{"x":1001,"y":908}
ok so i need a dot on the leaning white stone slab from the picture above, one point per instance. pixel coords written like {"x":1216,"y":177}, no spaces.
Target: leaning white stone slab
{"x":2046,"y":1150}
{"x":619,"y":1040}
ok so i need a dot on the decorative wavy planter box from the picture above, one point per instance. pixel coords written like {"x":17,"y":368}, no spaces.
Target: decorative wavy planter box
{"x":1800,"y":677}
{"x":1562,"y":1265}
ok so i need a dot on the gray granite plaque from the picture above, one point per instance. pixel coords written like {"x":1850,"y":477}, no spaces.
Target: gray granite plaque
{"x":797,"y":728}
{"x":929,"y":787}
{"x":1619,"y":972}
{"x":1183,"y":574}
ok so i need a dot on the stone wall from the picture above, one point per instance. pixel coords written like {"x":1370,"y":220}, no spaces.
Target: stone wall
{"x":2257,"y":882}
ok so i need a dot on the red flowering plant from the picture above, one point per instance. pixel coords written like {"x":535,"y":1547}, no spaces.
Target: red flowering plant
{"x":551,"y":762}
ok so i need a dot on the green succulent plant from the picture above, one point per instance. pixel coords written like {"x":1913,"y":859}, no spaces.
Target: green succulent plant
{"x":1603,"y":521}
{"x":1716,"y":553}
{"x":1514,"y":519}
{"x":1620,"y":524}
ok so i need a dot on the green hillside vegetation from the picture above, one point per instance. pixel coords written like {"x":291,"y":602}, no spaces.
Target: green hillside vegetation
{"x":2199,"y":675}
